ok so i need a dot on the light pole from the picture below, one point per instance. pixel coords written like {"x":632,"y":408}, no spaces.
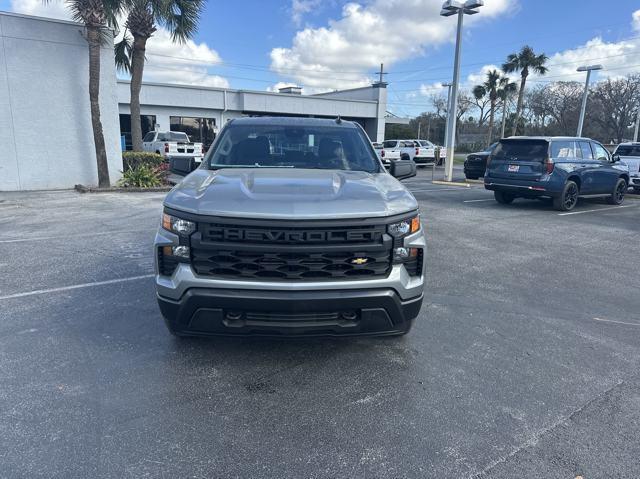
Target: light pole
{"x":446,"y":126}
{"x":450,"y":8}
{"x":587,"y":69}
{"x":635,"y":135}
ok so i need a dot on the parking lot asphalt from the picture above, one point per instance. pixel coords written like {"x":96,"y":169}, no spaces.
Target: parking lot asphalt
{"x":524,"y":361}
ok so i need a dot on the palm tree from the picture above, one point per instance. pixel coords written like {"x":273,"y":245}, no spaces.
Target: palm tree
{"x":180,"y":17}
{"x":525,"y":62}
{"x":505,"y":90}
{"x":96,"y":15}
{"x":489,"y":88}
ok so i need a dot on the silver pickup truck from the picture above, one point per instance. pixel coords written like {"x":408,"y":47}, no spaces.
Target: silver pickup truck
{"x":291,"y":226}
{"x":629,"y":154}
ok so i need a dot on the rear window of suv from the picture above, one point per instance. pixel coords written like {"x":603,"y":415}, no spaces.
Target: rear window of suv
{"x":390,"y":144}
{"x":628,"y":150}
{"x":521,"y":150}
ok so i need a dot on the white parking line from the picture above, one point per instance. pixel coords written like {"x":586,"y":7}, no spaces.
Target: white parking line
{"x":478,"y":201}
{"x":617,"y":322}
{"x":76,"y":286}
{"x":437,"y":189}
{"x":74,"y":235}
{"x":593,"y":211}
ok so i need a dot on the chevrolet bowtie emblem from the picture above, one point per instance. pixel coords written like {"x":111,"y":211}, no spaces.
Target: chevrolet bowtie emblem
{"x":359,"y":261}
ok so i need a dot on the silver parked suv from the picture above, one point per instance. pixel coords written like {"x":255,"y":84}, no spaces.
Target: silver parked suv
{"x":291,"y":226}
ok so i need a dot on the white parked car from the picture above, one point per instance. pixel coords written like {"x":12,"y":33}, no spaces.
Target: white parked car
{"x":386,"y":156}
{"x":172,"y":144}
{"x":411,"y":150}
{"x":629,"y":153}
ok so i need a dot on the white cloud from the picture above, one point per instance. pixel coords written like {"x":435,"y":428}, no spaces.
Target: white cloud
{"x":167,"y":62}
{"x":636,"y":20}
{"x":185,"y":63}
{"x":299,"y":8}
{"x":367,"y":34}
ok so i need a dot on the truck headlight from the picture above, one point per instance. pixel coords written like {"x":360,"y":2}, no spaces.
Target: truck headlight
{"x":404,"y":227}
{"x":177,"y":225}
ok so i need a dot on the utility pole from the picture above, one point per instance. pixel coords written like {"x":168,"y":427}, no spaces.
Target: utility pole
{"x":585,"y":94}
{"x":419,"y":123}
{"x":635,"y":135}
{"x":381,"y":73}
{"x":504,"y":115}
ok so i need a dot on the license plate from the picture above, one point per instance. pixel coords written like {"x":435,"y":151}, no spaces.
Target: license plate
{"x":513,"y":168}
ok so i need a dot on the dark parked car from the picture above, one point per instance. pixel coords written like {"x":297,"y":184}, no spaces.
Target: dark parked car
{"x":476,"y":163}
{"x":561,"y":168}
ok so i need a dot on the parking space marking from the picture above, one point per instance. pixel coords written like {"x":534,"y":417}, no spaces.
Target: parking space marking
{"x":76,"y":286}
{"x":82,"y":235}
{"x":614,"y":321}
{"x":593,"y":211}
{"x":478,"y":201}
{"x":435,"y":189}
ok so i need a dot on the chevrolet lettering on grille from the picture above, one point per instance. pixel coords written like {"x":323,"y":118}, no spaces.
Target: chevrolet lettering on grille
{"x":292,"y":236}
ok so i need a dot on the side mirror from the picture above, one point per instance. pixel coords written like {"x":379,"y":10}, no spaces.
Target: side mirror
{"x":615,"y":158}
{"x":403,"y":169}
{"x":182,"y":166}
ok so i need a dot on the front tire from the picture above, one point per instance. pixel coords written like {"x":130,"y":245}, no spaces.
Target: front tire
{"x":568,"y":199}
{"x":617,"y":195}
{"x":503,"y":198}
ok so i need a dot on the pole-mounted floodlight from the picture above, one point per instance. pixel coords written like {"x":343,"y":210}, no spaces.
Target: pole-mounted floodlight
{"x":585,"y":94}
{"x":450,"y":8}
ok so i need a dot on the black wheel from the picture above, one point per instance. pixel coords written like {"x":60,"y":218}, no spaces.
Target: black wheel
{"x":636,"y":190}
{"x":472,"y":177}
{"x":617,"y":195}
{"x":568,"y":198}
{"x":503,"y":198}
{"x":405,"y":157}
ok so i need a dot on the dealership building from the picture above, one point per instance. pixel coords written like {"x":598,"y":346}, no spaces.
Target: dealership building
{"x":45,"y":121}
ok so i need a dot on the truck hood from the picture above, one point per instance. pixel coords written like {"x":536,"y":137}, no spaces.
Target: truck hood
{"x":281,"y":193}
{"x":633,"y":162}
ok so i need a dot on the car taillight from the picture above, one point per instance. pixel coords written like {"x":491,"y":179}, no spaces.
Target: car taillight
{"x":166,"y":147}
{"x":417,"y":151}
{"x":549,"y":165}
{"x":382,"y":153}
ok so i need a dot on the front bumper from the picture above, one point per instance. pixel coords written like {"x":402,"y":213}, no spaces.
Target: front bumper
{"x":276,"y":313}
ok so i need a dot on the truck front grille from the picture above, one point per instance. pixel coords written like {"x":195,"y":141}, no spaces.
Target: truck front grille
{"x":295,"y":253}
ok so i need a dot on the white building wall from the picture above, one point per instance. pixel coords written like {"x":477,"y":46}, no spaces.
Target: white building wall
{"x":45,"y":122}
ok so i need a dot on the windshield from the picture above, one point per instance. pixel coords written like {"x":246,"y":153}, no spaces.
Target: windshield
{"x":390,"y":143}
{"x":521,"y":150}
{"x":172,"y":136}
{"x":628,"y":150}
{"x":291,"y":146}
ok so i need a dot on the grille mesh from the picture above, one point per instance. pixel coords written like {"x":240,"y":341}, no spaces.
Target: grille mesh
{"x":291,"y":264}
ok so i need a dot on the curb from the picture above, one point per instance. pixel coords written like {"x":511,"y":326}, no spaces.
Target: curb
{"x":451,"y":183}
{"x":116,"y":189}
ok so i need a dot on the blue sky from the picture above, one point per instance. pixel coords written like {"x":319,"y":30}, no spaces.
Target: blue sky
{"x":329,"y":44}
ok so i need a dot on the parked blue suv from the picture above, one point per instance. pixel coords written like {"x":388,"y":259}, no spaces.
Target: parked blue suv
{"x":562,"y":168}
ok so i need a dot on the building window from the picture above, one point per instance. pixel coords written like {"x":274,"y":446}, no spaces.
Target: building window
{"x":147,"y":122}
{"x":199,"y":129}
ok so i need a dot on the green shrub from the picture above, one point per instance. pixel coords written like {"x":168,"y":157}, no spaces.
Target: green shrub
{"x":132,"y":159}
{"x":142,"y":176}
